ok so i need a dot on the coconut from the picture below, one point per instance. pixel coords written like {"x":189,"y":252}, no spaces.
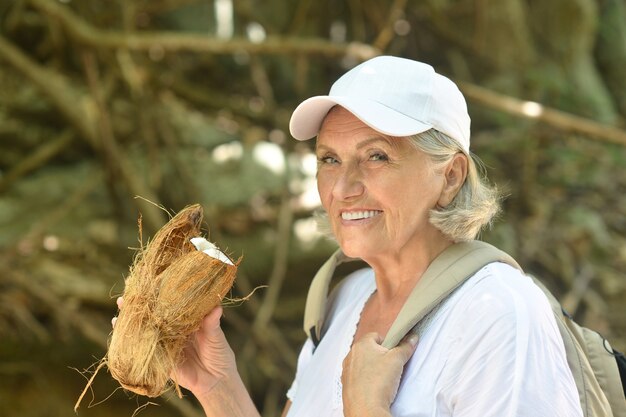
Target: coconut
{"x":170,"y":288}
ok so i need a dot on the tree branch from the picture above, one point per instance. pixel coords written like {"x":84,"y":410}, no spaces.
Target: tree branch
{"x":531,"y":110}
{"x":172,"y":41}
{"x":176,"y":42}
{"x":36,"y":159}
{"x":67,"y":99}
{"x":56,"y":88}
{"x":279,"y":271}
{"x":114,"y":160}
{"x":387,"y":33}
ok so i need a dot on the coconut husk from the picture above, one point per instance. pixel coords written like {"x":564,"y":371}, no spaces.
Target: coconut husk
{"x":170,"y":288}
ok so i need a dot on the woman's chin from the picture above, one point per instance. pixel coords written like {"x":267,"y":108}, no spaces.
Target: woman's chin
{"x":357,"y":250}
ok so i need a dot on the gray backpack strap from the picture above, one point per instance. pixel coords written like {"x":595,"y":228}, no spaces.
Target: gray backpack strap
{"x":318,"y":293}
{"x":446,"y":272}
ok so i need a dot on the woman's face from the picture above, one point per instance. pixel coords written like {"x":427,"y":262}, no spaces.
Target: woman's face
{"x":377,"y":190}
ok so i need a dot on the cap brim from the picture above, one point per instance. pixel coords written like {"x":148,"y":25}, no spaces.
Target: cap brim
{"x":307,"y":118}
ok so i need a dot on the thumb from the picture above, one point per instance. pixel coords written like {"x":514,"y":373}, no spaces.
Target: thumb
{"x":407,"y":346}
{"x":211,"y":321}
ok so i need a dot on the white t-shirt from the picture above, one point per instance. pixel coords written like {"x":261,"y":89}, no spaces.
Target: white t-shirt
{"x":491,"y":349}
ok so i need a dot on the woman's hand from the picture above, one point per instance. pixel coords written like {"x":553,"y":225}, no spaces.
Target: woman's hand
{"x":371,"y":375}
{"x":207,"y":356}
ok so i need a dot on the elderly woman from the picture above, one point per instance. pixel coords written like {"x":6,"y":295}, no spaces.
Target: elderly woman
{"x":399,"y":186}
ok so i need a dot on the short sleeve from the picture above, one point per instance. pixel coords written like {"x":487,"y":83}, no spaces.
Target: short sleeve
{"x":306,"y":353}
{"x":508,"y":358}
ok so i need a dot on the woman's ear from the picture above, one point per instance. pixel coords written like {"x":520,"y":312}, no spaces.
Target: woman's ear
{"x":454,"y":178}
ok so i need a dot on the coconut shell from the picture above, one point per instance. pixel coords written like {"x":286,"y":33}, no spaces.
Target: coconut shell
{"x":170,"y":288}
{"x":191,"y":287}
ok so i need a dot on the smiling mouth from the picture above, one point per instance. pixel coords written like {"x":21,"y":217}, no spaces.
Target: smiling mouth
{"x":359,"y":215}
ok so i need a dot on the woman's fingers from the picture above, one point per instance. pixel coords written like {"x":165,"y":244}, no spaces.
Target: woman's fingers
{"x":212,"y":320}
{"x":406,"y":347}
{"x":210,"y":330}
{"x":119,"y":303}
{"x":371,"y":373}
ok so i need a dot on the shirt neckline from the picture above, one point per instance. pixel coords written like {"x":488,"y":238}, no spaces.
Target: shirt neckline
{"x":348,"y":340}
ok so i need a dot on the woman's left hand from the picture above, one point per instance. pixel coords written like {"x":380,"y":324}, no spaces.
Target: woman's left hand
{"x":371,"y":375}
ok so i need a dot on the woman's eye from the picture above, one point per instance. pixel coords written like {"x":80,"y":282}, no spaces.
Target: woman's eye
{"x":327,"y":160}
{"x":379,"y":156}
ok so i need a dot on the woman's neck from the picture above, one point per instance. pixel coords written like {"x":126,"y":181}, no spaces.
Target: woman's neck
{"x":397,"y":273}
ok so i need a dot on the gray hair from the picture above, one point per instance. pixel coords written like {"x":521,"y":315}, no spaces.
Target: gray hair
{"x":476,"y":203}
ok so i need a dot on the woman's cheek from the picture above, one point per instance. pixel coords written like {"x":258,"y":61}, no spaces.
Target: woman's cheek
{"x":324,"y":188}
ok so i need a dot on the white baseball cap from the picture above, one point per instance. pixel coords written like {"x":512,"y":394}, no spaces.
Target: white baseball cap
{"x":394,"y":96}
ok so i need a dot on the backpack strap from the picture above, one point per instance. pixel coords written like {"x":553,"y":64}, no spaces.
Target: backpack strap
{"x":446,"y":272}
{"x":315,"y":307}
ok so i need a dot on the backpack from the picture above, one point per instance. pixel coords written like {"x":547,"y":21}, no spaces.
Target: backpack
{"x":599,"y":371}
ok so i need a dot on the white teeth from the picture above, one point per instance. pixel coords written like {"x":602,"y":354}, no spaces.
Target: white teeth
{"x":358,"y":215}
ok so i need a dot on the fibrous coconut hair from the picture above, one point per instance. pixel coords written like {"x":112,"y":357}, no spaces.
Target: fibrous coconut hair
{"x":170,"y":288}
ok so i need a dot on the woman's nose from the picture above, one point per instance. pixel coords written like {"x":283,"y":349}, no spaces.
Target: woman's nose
{"x":349,"y":184}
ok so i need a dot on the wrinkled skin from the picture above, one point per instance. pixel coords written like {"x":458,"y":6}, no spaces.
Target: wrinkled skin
{"x":371,"y":375}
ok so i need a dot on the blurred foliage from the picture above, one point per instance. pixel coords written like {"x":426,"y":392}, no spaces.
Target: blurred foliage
{"x":185,"y":101}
